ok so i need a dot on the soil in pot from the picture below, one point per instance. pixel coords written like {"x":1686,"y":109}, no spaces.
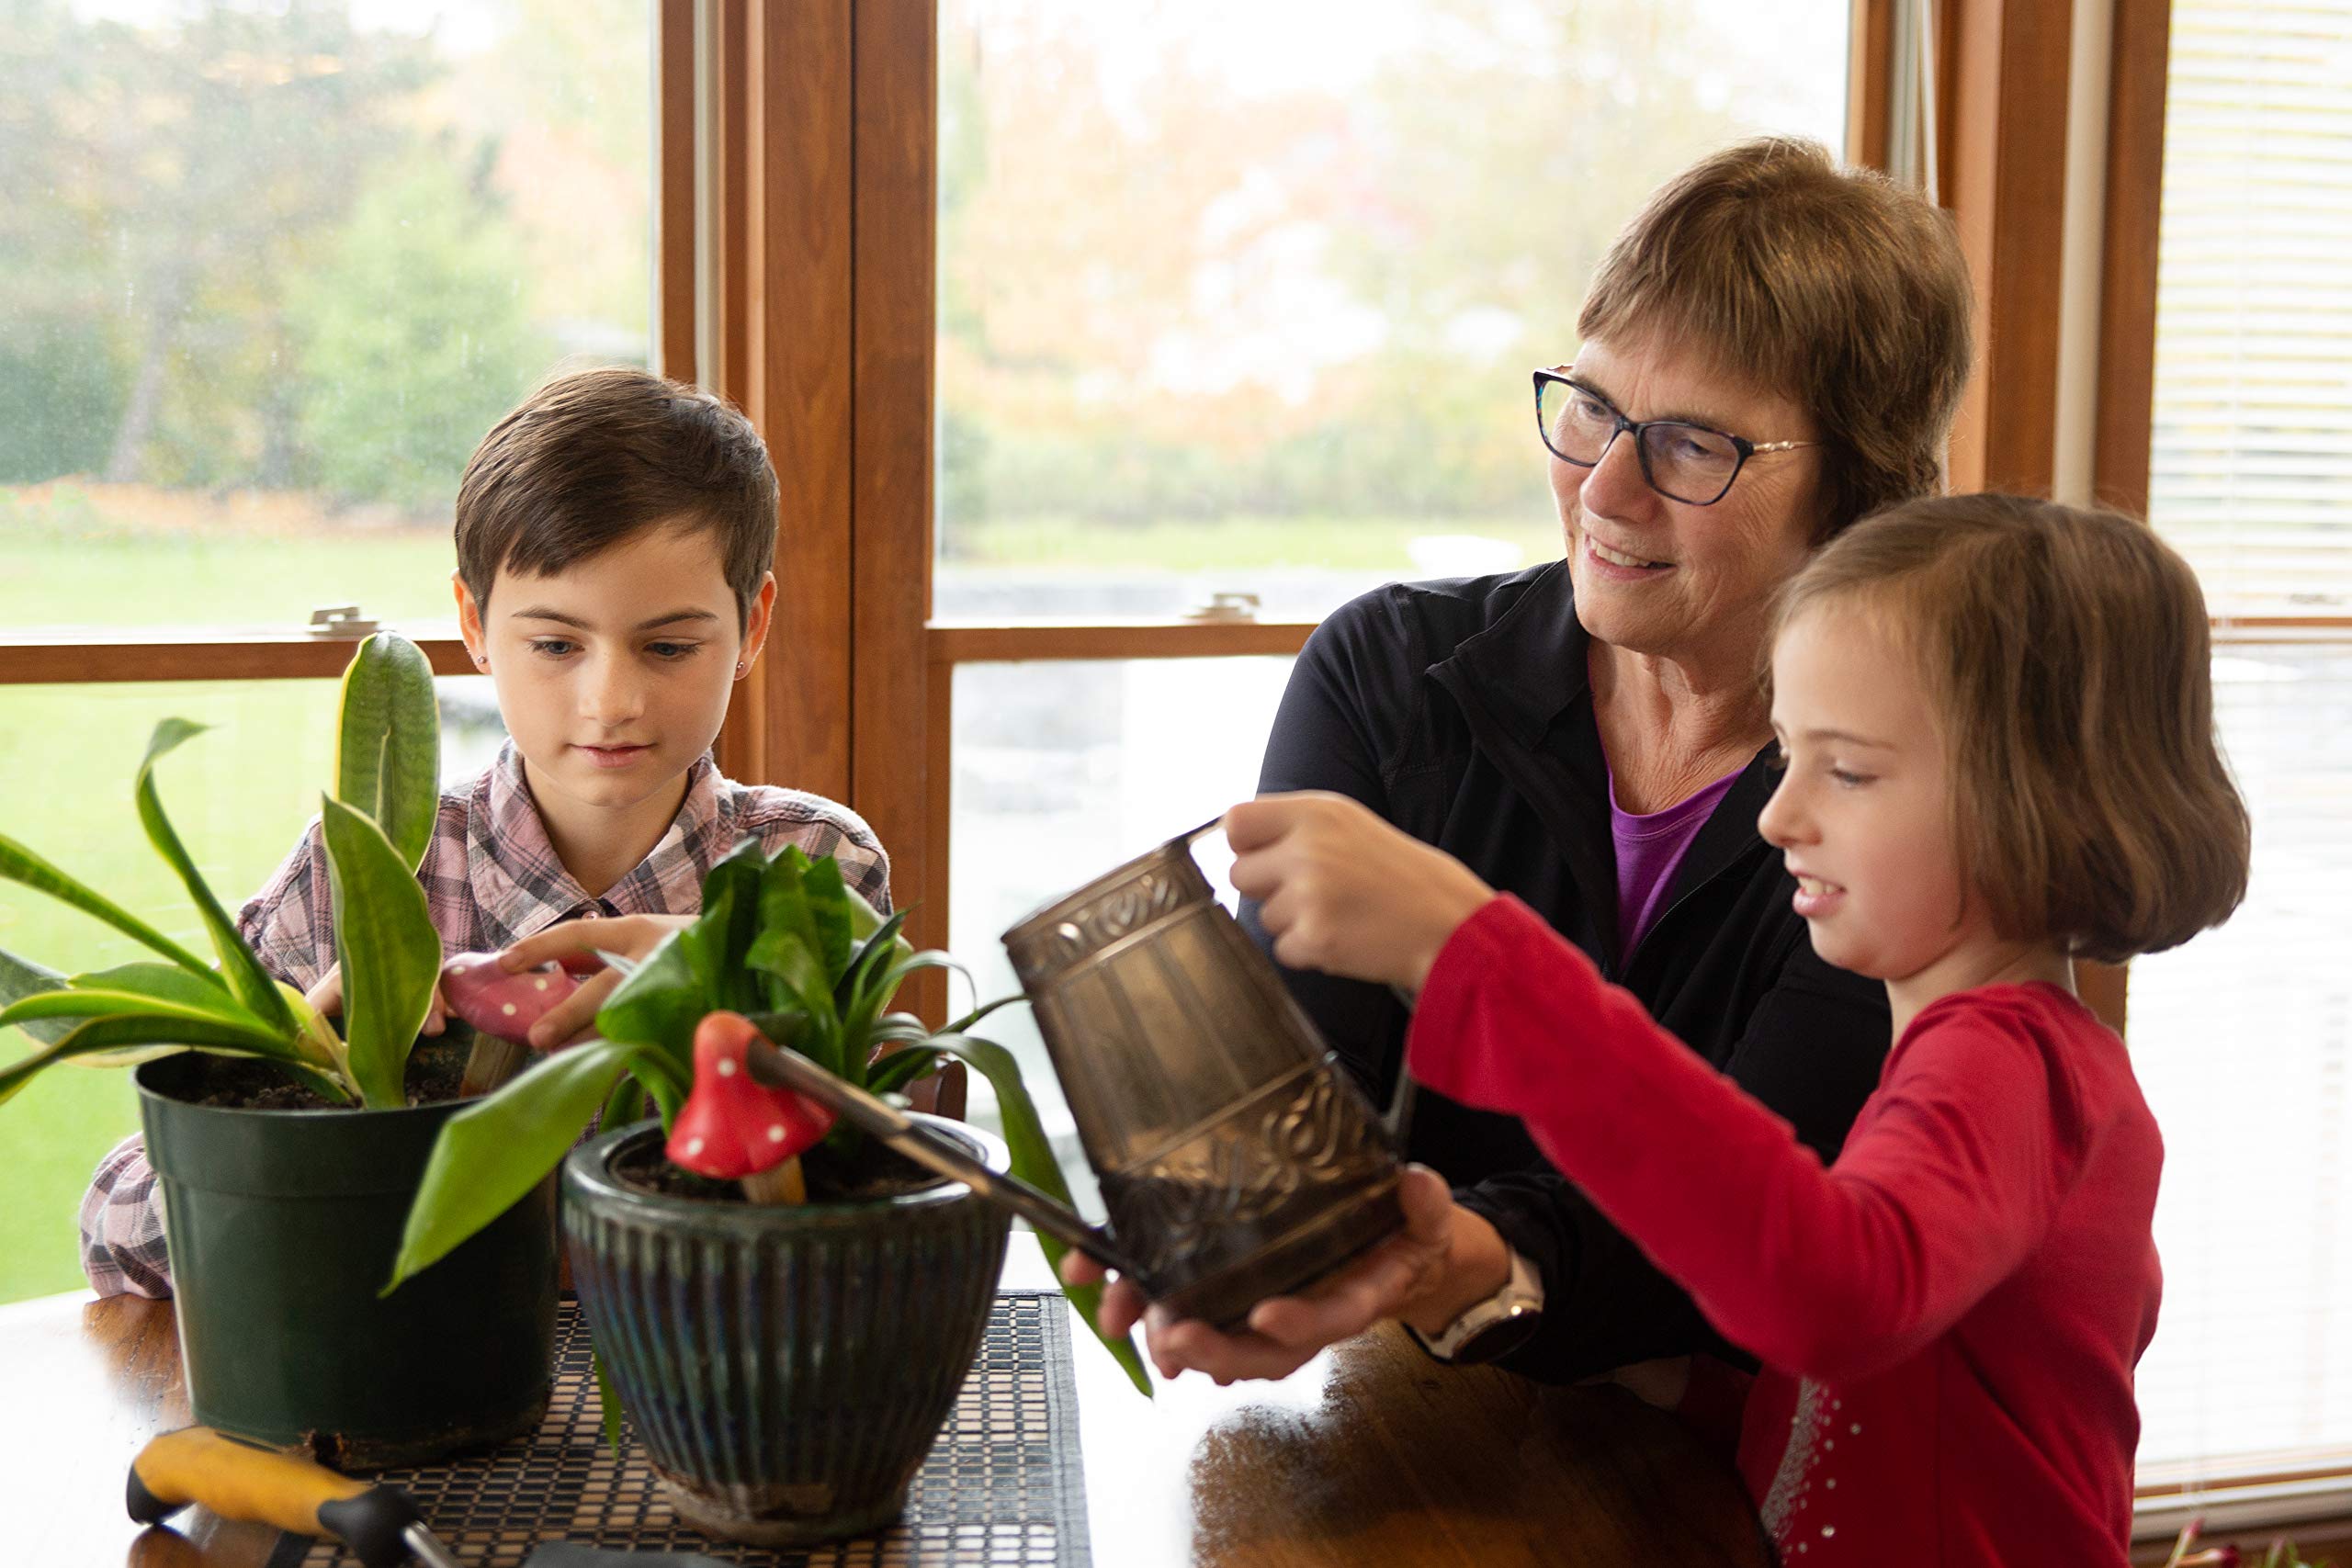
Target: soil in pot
{"x":874,"y":1171}
{"x":436,"y":1066}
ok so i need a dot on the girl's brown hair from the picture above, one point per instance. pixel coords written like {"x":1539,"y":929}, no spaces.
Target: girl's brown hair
{"x":2069,"y":654}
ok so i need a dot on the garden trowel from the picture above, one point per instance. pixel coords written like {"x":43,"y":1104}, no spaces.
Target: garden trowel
{"x":239,"y":1480}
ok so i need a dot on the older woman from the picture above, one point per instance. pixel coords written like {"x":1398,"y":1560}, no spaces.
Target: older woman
{"x":1773,"y":347}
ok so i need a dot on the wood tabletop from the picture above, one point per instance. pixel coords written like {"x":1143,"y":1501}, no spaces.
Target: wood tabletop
{"x":1369,"y":1454}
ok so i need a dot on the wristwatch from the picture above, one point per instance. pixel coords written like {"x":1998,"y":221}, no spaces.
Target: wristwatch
{"x":1496,"y":1326}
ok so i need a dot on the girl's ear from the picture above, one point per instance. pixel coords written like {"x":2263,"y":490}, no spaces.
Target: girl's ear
{"x":756,"y":625}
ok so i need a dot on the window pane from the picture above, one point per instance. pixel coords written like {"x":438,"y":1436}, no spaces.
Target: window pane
{"x":1064,"y":771}
{"x":2244,"y":1037}
{"x":272,"y":271}
{"x":2242,"y":1040}
{"x":1218,"y":318}
{"x":239,"y":795}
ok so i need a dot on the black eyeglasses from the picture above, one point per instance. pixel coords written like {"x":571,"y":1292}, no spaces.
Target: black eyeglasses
{"x":1681,"y":461}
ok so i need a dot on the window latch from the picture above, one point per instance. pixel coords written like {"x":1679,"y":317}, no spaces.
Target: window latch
{"x":340,"y":621}
{"x":1225,"y":607}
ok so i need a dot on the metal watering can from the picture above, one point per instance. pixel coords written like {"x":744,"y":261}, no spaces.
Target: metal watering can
{"x":1237,"y":1159}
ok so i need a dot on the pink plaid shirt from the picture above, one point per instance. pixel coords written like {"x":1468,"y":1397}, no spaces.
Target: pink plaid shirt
{"x":491,"y":878}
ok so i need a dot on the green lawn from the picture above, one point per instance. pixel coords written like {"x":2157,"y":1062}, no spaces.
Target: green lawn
{"x":240,"y":795}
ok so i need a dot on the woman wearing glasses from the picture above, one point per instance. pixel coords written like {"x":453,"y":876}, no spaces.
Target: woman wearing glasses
{"x":1773,"y":347}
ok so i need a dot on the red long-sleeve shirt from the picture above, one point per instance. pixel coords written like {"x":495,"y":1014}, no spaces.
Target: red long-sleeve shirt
{"x":1948,"y":1316}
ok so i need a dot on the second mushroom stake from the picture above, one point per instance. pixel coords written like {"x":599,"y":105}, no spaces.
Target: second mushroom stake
{"x":734,"y":1128}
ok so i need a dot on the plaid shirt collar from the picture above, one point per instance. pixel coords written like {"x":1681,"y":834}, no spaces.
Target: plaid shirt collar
{"x":520,"y":885}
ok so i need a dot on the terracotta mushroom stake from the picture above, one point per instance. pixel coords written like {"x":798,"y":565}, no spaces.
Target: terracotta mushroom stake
{"x":734,"y":1128}
{"x":502,"y":1008}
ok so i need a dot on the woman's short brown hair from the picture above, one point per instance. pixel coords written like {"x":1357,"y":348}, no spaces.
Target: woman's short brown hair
{"x":597,"y":457}
{"x":1835,"y":288}
{"x":2071,"y":661}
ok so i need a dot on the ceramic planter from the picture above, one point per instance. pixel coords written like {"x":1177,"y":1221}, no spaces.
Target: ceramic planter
{"x":787,"y":1367}
{"x":282,"y":1226}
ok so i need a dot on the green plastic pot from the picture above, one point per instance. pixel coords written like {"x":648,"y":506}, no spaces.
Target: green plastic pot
{"x":282,"y":1226}
{"x":786,"y":1367}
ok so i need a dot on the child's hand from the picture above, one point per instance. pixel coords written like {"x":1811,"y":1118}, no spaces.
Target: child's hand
{"x":1341,"y":891}
{"x":1439,"y":1263}
{"x":325,"y":997}
{"x":631,"y":936}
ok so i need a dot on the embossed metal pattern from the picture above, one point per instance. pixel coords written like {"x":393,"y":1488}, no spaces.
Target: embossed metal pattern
{"x":1112,"y":907}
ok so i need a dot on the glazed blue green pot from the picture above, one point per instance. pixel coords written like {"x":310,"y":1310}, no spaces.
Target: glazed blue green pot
{"x":787,"y":1367}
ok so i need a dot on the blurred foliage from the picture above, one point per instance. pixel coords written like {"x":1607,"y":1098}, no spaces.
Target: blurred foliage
{"x":263,"y":246}
{"x":1182,"y":293}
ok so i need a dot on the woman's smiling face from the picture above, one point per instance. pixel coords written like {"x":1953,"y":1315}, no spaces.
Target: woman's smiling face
{"x":1660,"y":577}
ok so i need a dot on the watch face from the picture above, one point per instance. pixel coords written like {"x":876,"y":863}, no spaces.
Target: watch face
{"x":1499,"y":1337}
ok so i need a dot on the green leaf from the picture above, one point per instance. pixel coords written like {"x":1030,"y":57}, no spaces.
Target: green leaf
{"x":244,"y":972}
{"x":786,"y":955}
{"x":388,"y":743}
{"x":730,"y":902}
{"x":19,"y":863}
{"x":873,"y":956}
{"x":390,"y":951}
{"x":492,"y":1154}
{"x":21,"y":977}
{"x":74,"y":1001}
{"x":658,"y":1006}
{"x":1033,"y":1162}
{"x":152,"y":1029}
{"x":608,"y":1398}
{"x":829,"y":912}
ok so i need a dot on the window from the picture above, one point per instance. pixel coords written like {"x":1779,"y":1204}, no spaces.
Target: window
{"x":1256,"y":320}
{"x":269,"y":274}
{"x":2244,"y":1037}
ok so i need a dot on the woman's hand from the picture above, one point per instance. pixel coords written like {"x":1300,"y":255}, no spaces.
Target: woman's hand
{"x":1341,"y":891}
{"x":631,"y":936}
{"x":1443,"y":1261}
{"x":325,"y":997}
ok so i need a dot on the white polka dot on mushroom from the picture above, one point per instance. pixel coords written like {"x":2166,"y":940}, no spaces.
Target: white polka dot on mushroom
{"x":776,"y":1134}
{"x":726,"y":1067}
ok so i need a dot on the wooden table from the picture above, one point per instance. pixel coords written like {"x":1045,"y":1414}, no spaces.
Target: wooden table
{"x":1369,"y":1454}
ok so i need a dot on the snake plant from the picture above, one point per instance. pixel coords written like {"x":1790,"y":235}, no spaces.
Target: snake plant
{"x":375,"y":824}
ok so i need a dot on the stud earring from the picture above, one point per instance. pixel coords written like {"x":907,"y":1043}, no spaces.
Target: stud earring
{"x":741,"y":665}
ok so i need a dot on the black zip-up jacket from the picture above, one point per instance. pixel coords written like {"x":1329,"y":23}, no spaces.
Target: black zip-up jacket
{"x":1460,"y":711}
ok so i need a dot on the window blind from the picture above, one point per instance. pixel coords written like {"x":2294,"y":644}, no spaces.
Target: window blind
{"x":2244,"y":1037}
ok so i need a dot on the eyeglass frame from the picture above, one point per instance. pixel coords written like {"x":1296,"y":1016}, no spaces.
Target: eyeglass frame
{"x":1739,"y":444}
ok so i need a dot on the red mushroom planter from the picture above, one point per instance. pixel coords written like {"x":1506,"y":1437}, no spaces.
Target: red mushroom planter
{"x":786,"y":1365}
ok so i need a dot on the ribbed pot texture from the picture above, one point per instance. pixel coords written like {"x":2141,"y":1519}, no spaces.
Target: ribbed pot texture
{"x":282,"y":1226}
{"x":787,"y":1367}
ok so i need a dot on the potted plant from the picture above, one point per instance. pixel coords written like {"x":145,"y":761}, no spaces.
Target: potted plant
{"x":287,"y":1153}
{"x":788,"y":1353}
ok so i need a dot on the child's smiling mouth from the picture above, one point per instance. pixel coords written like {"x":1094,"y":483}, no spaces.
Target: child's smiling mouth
{"x":615,"y":756}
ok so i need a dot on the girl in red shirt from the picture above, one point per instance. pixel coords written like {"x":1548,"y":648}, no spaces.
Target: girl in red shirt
{"x":1996,"y":720}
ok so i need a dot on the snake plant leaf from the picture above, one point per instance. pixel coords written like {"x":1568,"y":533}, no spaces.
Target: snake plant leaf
{"x":390,"y":951}
{"x":492,"y":1154}
{"x":21,"y":977}
{"x":1033,"y":1162}
{"x":19,"y":863}
{"x":251,"y":984}
{"x":112,"y":1034}
{"x":388,"y":742}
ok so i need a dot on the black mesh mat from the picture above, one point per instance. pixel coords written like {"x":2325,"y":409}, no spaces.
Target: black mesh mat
{"x":1002,"y":1487}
